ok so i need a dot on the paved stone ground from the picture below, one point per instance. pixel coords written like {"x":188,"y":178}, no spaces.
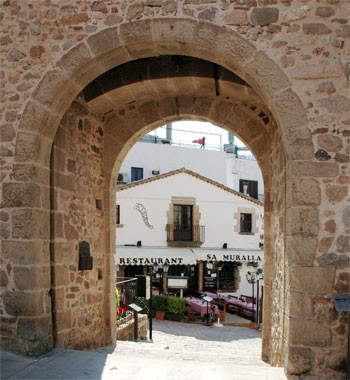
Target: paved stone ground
{"x":179,"y":351}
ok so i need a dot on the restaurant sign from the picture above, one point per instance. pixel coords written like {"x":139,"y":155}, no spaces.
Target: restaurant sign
{"x":150,"y":261}
{"x":232,"y":257}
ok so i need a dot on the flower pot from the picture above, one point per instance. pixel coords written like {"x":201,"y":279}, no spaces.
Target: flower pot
{"x":160,"y":314}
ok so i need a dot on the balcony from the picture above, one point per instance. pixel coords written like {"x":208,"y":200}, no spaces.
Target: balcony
{"x":188,"y":236}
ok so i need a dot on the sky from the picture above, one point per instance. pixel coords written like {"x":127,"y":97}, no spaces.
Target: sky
{"x":184,"y":132}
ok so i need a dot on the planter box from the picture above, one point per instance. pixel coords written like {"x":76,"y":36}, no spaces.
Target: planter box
{"x":126,"y":330}
{"x":174,"y":317}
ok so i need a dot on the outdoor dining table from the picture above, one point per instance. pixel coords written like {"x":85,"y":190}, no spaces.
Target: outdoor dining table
{"x":239,"y":305}
{"x":200,"y":306}
{"x":214,"y":296}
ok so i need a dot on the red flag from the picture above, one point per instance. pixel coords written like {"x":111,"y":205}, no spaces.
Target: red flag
{"x":199,"y":141}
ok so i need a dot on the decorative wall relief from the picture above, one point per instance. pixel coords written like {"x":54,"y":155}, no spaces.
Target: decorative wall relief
{"x":142,"y":210}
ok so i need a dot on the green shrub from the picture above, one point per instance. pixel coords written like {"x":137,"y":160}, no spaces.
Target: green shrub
{"x":176,"y":305}
{"x":117,"y":298}
{"x":159,"y":302}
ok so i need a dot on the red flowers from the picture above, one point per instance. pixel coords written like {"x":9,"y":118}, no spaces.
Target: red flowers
{"x":121,"y":312}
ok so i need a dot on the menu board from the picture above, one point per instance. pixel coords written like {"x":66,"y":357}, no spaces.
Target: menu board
{"x":210,"y":281}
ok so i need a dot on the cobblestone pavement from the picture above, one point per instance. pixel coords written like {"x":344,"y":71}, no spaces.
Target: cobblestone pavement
{"x":178,"y":351}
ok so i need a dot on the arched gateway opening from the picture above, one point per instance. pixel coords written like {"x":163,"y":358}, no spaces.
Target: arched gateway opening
{"x":88,"y":111}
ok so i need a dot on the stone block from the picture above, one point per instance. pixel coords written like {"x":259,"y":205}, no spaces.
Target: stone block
{"x":60,"y":276}
{"x":32,"y":278}
{"x":93,"y":298}
{"x":75,"y":59}
{"x":343,"y":243}
{"x":325,"y":11}
{"x":30,"y":147}
{"x":136,"y":32}
{"x":303,"y":221}
{"x":4,"y":230}
{"x":309,"y":333}
{"x":329,"y":142}
{"x":32,"y":329}
{"x":335,"y":104}
{"x":336,"y":193}
{"x":304,"y":192}
{"x":236,"y":17}
{"x":334,"y":260}
{"x":300,"y":249}
{"x":270,"y":77}
{"x":3,"y":277}
{"x":290,"y":110}
{"x":63,"y":181}
{"x":300,"y":305}
{"x":23,"y":304}
{"x":38,"y":118}
{"x":264,"y":16}
{"x":149,"y":112}
{"x":7,"y":133}
{"x":315,"y":169}
{"x":30,"y":173}
{"x":313,"y":280}
{"x":57,"y":225}
{"x":26,"y":252}
{"x":316,"y":28}
{"x":346,"y":217}
{"x":299,"y":360}
{"x":104,"y":41}
{"x":63,"y":320}
{"x":21,"y":195}
{"x":324,"y":244}
{"x":30,"y":223}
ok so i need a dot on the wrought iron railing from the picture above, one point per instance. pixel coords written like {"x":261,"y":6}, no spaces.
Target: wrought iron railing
{"x":181,"y":233}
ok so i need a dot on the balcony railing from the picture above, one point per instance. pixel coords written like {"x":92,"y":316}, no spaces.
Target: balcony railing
{"x":182,"y":234}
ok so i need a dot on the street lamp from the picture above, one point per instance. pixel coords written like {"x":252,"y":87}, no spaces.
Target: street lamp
{"x":152,"y":269}
{"x":259,"y":276}
{"x":251,"y":279}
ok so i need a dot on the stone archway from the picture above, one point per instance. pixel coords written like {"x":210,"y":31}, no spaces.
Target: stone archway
{"x":287,"y":208}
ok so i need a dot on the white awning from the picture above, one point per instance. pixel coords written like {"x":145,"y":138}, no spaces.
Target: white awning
{"x":148,"y":256}
{"x":228,"y":255}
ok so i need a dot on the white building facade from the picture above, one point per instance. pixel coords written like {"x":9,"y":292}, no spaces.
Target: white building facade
{"x":199,"y":227}
{"x":146,"y":159}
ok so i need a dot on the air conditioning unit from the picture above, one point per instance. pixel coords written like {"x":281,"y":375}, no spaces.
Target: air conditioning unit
{"x":123,"y":178}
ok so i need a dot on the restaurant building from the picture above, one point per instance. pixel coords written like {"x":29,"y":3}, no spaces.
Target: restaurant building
{"x":192,"y":226}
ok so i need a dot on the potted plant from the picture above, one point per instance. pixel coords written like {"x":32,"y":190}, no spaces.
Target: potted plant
{"x":176,"y":308}
{"x":160,"y":305}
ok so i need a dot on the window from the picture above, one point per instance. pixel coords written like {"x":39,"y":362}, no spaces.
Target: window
{"x":136,"y":174}
{"x":182,"y":222}
{"x":246,"y":223}
{"x":249,"y":187}
{"x":118,"y":214}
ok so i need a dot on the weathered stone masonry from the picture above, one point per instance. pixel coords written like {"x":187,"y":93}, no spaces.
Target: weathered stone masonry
{"x":293,"y":115}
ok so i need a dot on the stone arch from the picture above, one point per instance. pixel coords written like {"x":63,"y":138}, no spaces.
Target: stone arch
{"x":147,"y":38}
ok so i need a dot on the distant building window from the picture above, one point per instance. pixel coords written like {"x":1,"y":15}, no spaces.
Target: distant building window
{"x":136,"y":174}
{"x":246,"y":222}
{"x":118,"y":214}
{"x":249,"y":187}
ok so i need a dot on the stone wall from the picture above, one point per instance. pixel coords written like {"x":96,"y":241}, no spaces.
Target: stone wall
{"x":126,"y":331}
{"x":294,"y":57}
{"x":76,"y":216}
